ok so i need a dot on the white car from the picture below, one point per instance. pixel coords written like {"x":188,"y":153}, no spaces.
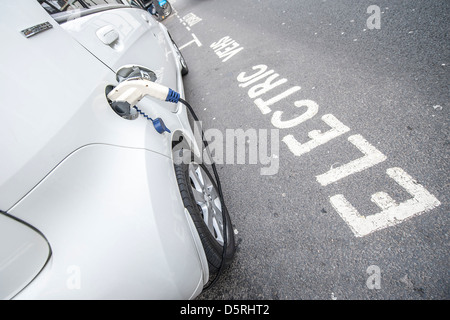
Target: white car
{"x":93,"y":202}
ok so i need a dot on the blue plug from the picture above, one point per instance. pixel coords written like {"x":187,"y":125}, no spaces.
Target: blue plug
{"x":160,"y":126}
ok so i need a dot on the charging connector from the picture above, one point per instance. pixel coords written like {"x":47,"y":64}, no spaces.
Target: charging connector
{"x":132,"y":91}
{"x":129,"y":92}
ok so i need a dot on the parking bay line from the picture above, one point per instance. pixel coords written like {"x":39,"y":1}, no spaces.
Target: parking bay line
{"x":195,"y":40}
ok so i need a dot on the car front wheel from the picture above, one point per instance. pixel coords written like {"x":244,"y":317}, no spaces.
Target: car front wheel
{"x":201,"y":198}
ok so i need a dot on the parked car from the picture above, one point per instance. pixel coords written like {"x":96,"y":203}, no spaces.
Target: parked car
{"x":93,"y":204}
{"x":164,"y":10}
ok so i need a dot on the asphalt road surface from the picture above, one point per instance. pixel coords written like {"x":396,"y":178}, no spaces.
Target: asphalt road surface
{"x":347,"y":103}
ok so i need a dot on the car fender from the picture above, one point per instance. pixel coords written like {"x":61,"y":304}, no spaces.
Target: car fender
{"x":117,"y":228}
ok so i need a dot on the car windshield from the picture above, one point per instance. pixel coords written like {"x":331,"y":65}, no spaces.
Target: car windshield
{"x":59,"y":6}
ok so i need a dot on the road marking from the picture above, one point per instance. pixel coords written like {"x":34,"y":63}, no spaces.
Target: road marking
{"x":372,"y":156}
{"x":195,"y":40}
{"x":226,"y":48}
{"x":317,"y":137}
{"x":312,"y":109}
{"x":264,"y":105}
{"x":265,"y":86}
{"x":191,"y":19}
{"x":254,"y":77}
{"x":391,"y":213}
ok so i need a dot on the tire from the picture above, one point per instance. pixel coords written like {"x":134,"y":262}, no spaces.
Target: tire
{"x":184,"y":66}
{"x":201,"y":198}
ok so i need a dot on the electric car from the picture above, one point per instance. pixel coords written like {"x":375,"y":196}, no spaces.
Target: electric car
{"x":98,"y":199}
